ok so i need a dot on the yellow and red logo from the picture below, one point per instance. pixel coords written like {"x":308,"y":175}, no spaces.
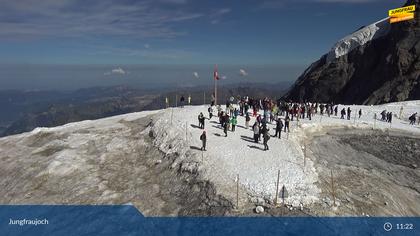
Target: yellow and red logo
{"x":401,"y":14}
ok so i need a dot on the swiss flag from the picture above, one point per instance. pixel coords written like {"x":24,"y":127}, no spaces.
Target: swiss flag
{"x":215,"y":73}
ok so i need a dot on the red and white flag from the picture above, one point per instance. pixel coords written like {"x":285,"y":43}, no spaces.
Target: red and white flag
{"x":215,"y":73}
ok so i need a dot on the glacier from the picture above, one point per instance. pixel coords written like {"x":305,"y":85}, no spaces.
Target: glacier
{"x":359,"y":38}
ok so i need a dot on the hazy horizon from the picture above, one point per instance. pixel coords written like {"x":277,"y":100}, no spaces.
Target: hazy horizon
{"x":71,"y":77}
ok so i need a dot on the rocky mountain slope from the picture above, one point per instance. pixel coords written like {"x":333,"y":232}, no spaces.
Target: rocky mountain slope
{"x":376,"y":64}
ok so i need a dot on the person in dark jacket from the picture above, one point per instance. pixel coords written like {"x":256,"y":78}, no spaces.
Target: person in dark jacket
{"x":343,"y":113}
{"x":279,"y":127}
{"x":266,"y":137}
{"x":286,"y":124}
{"x":360,"y":113}
{"x":182,"y":100}
{"x":203,"y":139}
{"x":412,"y":119}
{"x":210,"y":110}
{"x":201,"y":120}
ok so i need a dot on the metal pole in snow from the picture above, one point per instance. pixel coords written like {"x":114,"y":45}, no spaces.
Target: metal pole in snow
{"x":277,"y":188}
{"x":304,"y":161}
{"x":332,"y":188}
{"x":237,"y":191}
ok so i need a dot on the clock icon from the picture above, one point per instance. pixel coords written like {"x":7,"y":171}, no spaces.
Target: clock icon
{"x":387,"y":226}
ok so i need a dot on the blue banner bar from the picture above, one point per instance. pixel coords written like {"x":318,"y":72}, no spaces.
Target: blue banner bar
{"x":127,"y":220}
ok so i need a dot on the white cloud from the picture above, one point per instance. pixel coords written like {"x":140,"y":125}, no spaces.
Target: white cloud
{"x":223,"y":11}
{"x":116,"y":71}
{"x":242,"y":72}
{"x":67,"y":18}
{"x":217,"y":15}
{"x":195,"y":74}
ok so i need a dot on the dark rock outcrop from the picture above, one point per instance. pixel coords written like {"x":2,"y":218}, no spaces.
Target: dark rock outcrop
{"x":385,"y":69}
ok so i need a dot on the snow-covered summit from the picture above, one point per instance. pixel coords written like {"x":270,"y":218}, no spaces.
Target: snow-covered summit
{"x":359,"y":38}
{"x":86,"y":152}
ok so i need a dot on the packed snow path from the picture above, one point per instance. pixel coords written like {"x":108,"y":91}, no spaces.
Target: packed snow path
{"x":237,"y":154}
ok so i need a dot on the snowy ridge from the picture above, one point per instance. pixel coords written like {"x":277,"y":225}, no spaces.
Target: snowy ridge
{"x":359,"y":38}
{"x":80,"y":148}
{"x":228,"y":156}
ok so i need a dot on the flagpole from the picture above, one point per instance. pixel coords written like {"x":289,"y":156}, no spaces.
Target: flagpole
{"x":215,"y":91}
{"x":215,"y":78}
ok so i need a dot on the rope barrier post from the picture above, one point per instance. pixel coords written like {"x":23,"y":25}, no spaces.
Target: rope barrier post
{"x":186,"y":131}
{"x":304,"y":156}
{"x":237,"y":191}
{"x":333,"y":188}
{"x":172,"y":114}
{"x":277,"y":188}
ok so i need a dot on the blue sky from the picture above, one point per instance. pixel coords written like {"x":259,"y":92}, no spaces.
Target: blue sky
{"x":71,"y":44}
{"x":287,"y":32}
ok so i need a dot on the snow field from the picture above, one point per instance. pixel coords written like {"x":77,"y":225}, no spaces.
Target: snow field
{"x":227,"y":157}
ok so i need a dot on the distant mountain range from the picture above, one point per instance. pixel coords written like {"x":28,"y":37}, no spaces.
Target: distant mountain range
{"x":22,"y":111}
{"x":376,"y":64}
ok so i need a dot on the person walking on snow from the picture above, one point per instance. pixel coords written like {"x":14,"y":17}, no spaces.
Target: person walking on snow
{"x":412,"y":119}
{"x":210,"y":110}
{"x":203,"y":139}
{"x":279,"y":127}
{"x":348,"y":113}
{"x":233,"y":123}
{"x":266,"y":137}
{"x":189,"y":99}
{"x":343,"y":113}
{"x":225,"y":128}
{"x":201,"y":120}
{"x":286,"y":124}
{"x":247,"y":119}
{"x":182,"y":100}
{"x":401,"y":112}
{"x":256,"y":131}
{"x":360,"y":113}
